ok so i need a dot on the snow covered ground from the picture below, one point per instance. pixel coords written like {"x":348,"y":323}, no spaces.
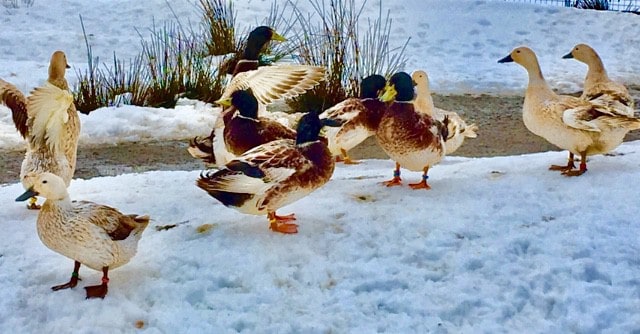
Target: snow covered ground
{"x":498,"y":244}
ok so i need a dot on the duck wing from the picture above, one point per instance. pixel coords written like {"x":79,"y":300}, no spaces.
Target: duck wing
{"x":117,"y":225}
{"x":15,"y":100}
{"x":257,"y":170}
{"x":345,"y":110}
{"x":271,"y":83}
{"x":47,"y":110}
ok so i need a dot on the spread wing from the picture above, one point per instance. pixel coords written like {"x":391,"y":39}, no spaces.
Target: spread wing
{"x":47,"y":110}
{"x":271,"y":83}
{"x":15,"y":100}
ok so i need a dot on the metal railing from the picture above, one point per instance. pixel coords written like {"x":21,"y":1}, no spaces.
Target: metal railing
{"x":618,"y":5}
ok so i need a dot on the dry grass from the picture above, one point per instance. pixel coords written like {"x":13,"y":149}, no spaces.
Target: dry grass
{"x":218,"y":23}
{"x":330,"y":37}
{"x":175,"y":62}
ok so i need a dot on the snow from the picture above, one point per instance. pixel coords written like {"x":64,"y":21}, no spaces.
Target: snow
{"x":498,"y":245}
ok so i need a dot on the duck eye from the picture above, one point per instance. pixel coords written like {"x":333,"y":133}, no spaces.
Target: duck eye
{"x":518,"y":51}
{"x":44,"y":181}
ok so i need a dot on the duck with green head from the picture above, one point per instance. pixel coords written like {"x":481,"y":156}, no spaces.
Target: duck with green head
{"x":360,"y":117}
{"x":415,"y":141}
{"x":275,"y":174}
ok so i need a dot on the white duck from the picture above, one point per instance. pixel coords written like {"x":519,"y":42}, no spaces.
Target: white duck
{"x":48,"y":120}
{"x":98,"y":236}
{"x":568,"y":122}
{"x":598,"y":88}
{"x":457,"y":127}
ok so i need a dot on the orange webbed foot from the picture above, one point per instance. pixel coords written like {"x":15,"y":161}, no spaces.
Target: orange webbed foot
{"x":348,"y":161}
{"x":420,"y":185}
{"x":287,"y":228}
{"x":285,"y":218}
{"x":574,"y":172}
{"x":561,"y":168}
{"x":396,"y":181}
{"x":33,"y":205}
{"x":282,"y":223}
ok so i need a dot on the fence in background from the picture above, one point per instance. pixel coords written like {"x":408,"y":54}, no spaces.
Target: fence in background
{"x":620,"y":5}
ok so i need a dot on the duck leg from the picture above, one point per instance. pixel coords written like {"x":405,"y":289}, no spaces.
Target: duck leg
{"x":422,"y":184}
{"x":583,"y":166}
{"x":72,"y":282}
{"x":32,"y":205}
{"x":99,"y":291}
{"x":346,"y":159}
{"x":396,"y":181}
{"x":282,"y":223}
{"x":570,"y":165}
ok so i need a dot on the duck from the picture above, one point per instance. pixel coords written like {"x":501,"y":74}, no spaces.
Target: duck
{"x":48,"y":121}
{"x":599,"y":89}
{"x":202,"y":147}
{"x":458,"y":128}
{"x":244,"y":130}
{"x":360,"y":117}
{"x":275,"y":174}
{"x":249,"y":59}
{"x":267,"y":83}
{"x":414,"y":140}
{"x":568,"y":122}
{"x":95,"y":235}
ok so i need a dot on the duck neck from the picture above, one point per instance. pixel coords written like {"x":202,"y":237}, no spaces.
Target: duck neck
{"x":56,"y":76}
{"x":59,"y":82}
{"x":537,"y":83}
{"x":596,"y":72}
{"x":423,"y":102}
{"x":62,"y":204}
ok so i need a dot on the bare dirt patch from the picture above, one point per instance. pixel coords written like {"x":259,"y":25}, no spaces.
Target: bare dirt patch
{"x":499,"y":119}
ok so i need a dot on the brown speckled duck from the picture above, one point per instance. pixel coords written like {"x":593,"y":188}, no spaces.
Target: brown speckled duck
{"x":48,"y":120}
{"x":202,"y":147}
{"x":267,"y":83}
{"x":414,"y":140}
{"x":244,"y":130}
{"x":599,"y":89}
{"x":568,"y":122}
{"x":98,"y":236}
{"x":360,"y":117}
{"x":274,"y":174}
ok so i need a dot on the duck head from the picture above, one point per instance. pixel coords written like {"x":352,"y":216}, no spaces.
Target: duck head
{"x":309,"y":127}
{"x":258,"y":38}
{"x":47,"y":185}
{"x":420,"y":79}
{"x":58,"y":65}
{"x":582,"y":52}
{"x":398,"y":88}
{"x":521,"y":55}
{"x":372,"y":86}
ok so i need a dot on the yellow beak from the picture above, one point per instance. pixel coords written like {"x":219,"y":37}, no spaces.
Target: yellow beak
{"x":277,"y":37}
{"x":389,"y":94}
{"x":224,"y":102}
